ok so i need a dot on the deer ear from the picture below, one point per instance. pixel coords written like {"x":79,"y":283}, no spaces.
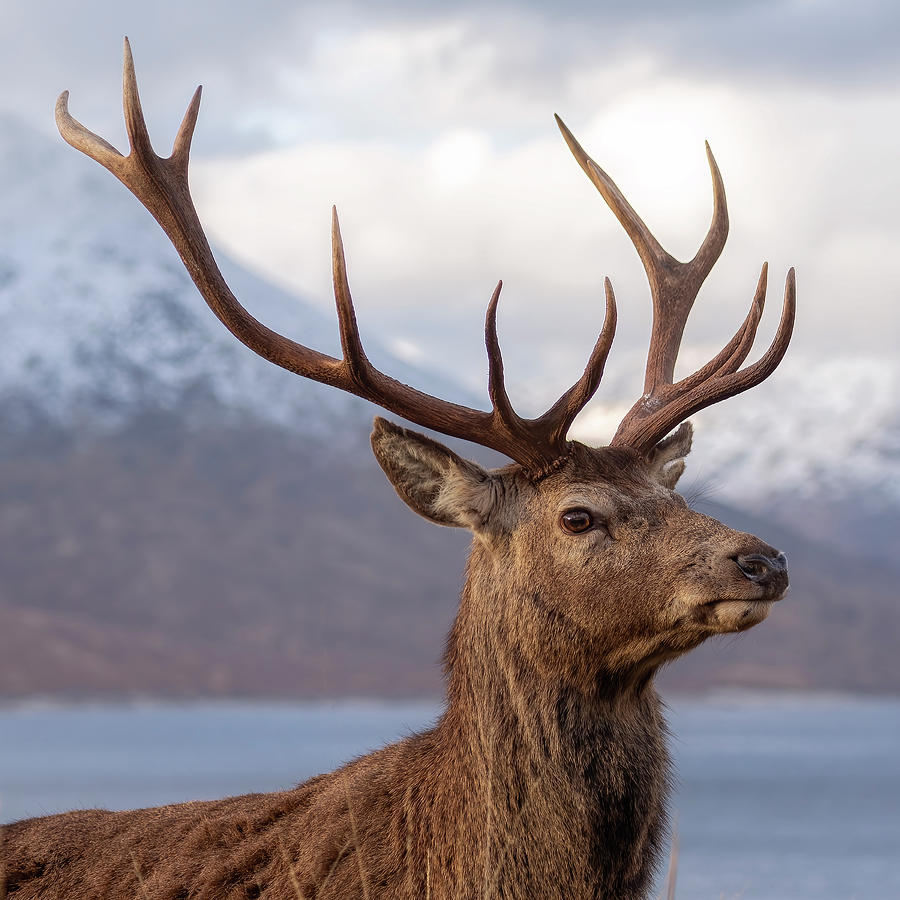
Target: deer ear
{"x":432,"y":479}
{"x":666,"y":459}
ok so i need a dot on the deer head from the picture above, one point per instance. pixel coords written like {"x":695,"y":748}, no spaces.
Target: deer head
{"x":586,"y":554}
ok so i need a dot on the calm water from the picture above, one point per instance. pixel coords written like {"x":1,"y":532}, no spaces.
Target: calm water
{"x":778,"y":799}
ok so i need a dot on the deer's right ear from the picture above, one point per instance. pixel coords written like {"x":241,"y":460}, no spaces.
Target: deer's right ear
{"x":432,"y":479}
{"x":666,"y":459}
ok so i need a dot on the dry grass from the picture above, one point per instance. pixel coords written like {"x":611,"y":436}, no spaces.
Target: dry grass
{"x":295,"y":883}
{"x":672,"y":872}
{"x":362,"y":873}
{"x":142,"y":888}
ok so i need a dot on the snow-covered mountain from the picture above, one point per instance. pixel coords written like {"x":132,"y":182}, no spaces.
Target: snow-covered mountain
{"x":100,"y":321}
{"x":822,"y":429}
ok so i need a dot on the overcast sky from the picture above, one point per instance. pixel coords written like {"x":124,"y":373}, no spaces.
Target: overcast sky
{"x":430,"y":125}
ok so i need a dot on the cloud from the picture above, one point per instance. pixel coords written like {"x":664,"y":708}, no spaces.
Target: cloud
{"x":257,"y":58}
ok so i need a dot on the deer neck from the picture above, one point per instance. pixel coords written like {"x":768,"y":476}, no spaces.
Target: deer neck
{"x":550,"y":754}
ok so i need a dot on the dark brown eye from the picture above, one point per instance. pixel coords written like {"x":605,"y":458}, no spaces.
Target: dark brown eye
{"x":576,"y":521}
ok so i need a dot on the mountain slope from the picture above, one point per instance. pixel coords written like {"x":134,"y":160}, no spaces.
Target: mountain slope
{"x":100,"y":321}
{"x":170,"y":562}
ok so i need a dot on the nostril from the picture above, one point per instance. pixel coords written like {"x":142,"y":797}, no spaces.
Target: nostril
{"x":759,"y":568}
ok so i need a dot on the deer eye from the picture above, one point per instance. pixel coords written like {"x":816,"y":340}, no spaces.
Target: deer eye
{"x":576,"y":521}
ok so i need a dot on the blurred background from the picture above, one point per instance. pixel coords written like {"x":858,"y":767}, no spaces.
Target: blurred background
{"x":181,"y":521}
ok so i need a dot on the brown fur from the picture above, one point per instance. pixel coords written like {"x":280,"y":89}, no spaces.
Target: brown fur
{"x":547,"y":774}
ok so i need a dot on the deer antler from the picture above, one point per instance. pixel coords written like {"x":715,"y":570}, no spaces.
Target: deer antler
{"x":674,"y":286}
{"x":161,"y":185}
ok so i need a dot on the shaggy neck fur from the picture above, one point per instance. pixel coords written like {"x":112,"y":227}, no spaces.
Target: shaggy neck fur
{"x":568,"y":776}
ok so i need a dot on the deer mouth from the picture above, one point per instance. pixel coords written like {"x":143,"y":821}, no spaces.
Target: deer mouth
{"x":731,"y":614}
{"x":767,"y":600}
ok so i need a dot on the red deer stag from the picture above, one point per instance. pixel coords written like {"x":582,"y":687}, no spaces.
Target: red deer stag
{"x":547,"y":774}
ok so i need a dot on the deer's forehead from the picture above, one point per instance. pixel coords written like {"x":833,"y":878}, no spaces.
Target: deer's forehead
{"x":606,"y":489}
{"x":607,"y":495}
{"x":606,"y":474}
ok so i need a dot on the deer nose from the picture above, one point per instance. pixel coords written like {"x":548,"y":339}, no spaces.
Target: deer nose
{"x":763,"y":570}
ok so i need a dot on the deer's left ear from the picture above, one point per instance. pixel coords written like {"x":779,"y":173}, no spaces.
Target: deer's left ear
{"x":666,"y":459}
{"x":432,"y":479}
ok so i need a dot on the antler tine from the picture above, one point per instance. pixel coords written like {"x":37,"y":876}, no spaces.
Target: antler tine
{"x":135,"y":126}
{"x":733,"y":354}
{"x":83,"y":139}
{"x":561,"y":415}
{"x":354,"y":355}
{"x":181,"y":148}
{"x":642,"y":431}
{"x":754,"y":317}
{"x":496,"y":382}
{"x":744,"y":379}
{"x":711,"y":248}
